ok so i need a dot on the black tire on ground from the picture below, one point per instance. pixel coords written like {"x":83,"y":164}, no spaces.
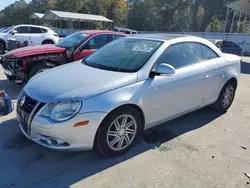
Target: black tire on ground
{"x":2,"y":47}
{"x":229,"y":86}
{"x":48,"y":42}
{"x":101,"y":141}
{"x":35,"y":70}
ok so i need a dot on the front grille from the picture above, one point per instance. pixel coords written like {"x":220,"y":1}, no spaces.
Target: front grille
{"x":27,"y":111}
{"x":12,"y":64}
{"x":29,"y":104}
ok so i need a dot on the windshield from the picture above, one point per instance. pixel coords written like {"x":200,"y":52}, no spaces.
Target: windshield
{"x":123,"y":55}
{"x":72,"y":40}
{"x":7,"y":29}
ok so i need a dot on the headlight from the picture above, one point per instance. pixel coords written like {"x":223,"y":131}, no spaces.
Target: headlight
{"x":62,"y":111}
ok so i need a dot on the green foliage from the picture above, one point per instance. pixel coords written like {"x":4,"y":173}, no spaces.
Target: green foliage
{"x":143,"y":15}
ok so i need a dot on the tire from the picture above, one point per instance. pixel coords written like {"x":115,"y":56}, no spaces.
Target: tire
{"x":2,"y":47}
{"x":48,"y":42}
{"x":111,"y":145}
{"x":226,"y":98}
{"x":38,"y":69}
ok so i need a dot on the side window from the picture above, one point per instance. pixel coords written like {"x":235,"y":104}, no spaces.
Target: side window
{"x":127,"y":32}
{"x":207,"y":53}
{"x":22,"y":30}
{"x":44,"y":30}
{"x":115,"y":36}
{"x":35,"y":30}
{"x":97,"y":42}
{"x":181,"y":55}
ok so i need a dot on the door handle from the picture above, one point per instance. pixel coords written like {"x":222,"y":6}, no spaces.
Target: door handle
{"x":205,"y":76}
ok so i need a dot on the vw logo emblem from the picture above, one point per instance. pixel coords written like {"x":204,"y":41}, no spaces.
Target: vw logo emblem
{"x":22,"y":101}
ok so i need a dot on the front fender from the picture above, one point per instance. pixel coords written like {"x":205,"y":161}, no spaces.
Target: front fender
{"x":136,"y":94}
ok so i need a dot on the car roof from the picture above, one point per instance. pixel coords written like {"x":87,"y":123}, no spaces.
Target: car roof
{"x":161,"y":37}
{"x":28,"y":25}
{"x":125,"y":29}
{"x":94,"y":32}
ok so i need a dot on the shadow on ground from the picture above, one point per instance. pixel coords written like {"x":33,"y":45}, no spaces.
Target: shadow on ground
{"x":245,"y":68}
{"x":40,"y":167}
{"x":10,"y":88}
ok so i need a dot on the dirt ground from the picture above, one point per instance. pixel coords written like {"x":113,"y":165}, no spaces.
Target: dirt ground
{"x":200,"y":150}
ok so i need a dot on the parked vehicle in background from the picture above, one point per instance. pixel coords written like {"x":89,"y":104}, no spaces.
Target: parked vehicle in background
{"x":2,"y":29}
{"x":228,"y":47}
{"x":22,"y":64}
{"x":34,"y":34}
{"x":129,"y":85}
{"x":125,"y":30}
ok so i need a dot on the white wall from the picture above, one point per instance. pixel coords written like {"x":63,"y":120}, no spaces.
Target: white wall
{"x":237,"y":38}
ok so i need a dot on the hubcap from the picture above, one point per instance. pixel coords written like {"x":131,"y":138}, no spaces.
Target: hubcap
{"x":228,"y":96}
{"x":121,"y":132}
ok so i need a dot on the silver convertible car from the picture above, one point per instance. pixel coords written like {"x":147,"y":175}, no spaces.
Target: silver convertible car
{"x":126,"y":87}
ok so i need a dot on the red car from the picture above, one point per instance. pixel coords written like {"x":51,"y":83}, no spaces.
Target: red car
{"x":23,"y":63}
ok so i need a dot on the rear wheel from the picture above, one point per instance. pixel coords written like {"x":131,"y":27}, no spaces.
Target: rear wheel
{"x":118,"y":132}
{"x":226,"y":97}
{"x":2,"y":48}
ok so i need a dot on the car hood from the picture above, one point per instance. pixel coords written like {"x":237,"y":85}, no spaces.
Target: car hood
{"x":34,"y":50}
{"x":75,"y":81}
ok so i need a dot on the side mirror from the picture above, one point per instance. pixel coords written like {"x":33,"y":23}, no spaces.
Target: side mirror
{"x":13,"y":32}
{"x":164,"y":70}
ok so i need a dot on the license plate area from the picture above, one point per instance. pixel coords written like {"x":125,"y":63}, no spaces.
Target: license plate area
{"x":23,"y":118}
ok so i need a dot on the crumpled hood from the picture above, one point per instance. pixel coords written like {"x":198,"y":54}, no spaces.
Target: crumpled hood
{"x":75,"y":81}
{"x":34,"y":50}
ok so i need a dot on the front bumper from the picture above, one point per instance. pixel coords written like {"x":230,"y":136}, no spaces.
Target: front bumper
{"x":44,"y":131}
{"x":11,"y":72}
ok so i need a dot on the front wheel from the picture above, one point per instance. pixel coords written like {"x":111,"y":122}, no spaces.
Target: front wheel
{"x":226,"y":97}
{"x":118,"y":132}
{"x":38,"y":69}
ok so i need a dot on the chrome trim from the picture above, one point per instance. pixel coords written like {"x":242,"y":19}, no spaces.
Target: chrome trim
{"x":30,"y":117}
{"x":20,"y":95}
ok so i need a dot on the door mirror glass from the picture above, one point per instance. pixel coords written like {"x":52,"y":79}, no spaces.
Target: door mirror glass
{"x":165,"y":70}
{"x":13,"y":32}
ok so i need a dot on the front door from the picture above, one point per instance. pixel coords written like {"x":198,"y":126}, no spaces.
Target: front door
{"x":182,"y":92}
{"x":91,"y":46}
{"x":22,"y":34}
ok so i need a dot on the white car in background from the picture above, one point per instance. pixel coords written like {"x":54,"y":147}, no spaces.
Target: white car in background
{"x":34,"y":34}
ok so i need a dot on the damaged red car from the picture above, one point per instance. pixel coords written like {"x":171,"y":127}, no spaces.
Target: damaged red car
{"x":21,"y":64}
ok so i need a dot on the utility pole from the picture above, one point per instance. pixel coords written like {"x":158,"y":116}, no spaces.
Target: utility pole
{"x":127,"y":7}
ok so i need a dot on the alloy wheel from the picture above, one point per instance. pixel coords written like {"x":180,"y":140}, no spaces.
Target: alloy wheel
{"x":121,"y":132}
{"x":228,"y":96}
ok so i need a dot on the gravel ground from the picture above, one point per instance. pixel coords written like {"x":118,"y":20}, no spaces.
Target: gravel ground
{"x":200,"y":150}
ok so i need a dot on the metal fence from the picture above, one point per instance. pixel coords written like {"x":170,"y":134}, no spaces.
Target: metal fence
{"x":241,"y":39}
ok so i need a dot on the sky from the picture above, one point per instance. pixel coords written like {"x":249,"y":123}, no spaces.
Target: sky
{"x":5,"y":3}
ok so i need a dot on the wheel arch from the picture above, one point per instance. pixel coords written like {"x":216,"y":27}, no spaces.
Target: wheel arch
{"x":230,"y":80}
{"x":136,"y":107}
{"x":45,"y":40}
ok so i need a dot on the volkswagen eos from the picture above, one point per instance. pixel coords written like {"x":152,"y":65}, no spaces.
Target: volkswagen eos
{"x":126,"y":87}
